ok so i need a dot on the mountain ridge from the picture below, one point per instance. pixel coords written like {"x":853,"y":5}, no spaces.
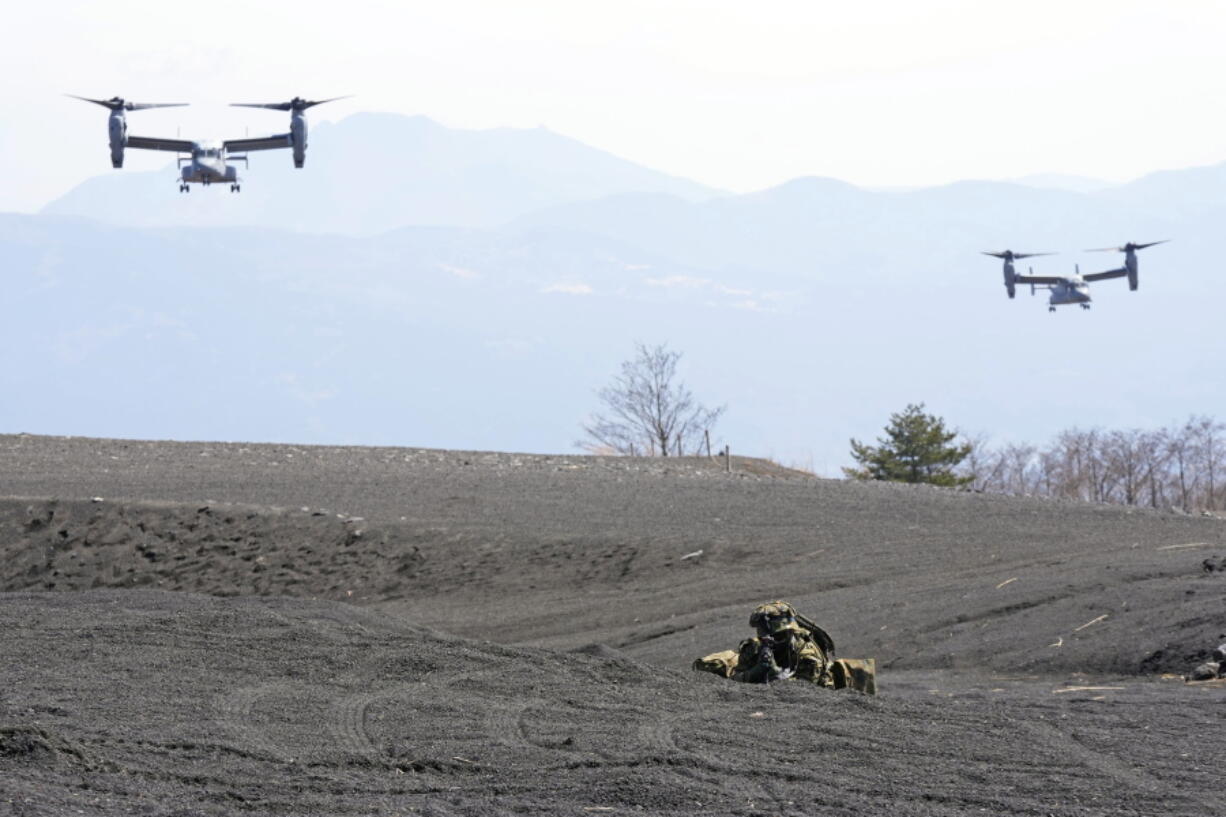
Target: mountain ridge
{"x":372,"y":172}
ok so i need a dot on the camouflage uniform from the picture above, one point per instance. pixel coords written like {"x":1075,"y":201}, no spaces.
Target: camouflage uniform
{"x":773,"y":659}
{"x":782,"y":649}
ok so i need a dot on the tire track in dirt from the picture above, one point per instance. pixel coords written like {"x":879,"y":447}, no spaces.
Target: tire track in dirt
{"x":505,"y":724}
{"x":611,"y":735}
{"x":347,"y":716}
{"x":236,"y":710}
{"x":348,"y":724}
{"x":1105,"y":763}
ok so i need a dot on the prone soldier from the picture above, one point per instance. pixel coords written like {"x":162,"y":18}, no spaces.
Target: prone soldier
{"x":789,"y":646}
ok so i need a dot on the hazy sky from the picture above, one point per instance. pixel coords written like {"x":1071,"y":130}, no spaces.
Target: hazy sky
{"x":737,"y":95}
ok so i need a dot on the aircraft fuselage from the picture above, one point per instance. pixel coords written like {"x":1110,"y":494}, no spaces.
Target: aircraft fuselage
{"x":206,"y":166}
{"x":1070,"y":291}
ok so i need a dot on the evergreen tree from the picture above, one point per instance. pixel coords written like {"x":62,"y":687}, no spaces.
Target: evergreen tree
{"x":916,"y":448}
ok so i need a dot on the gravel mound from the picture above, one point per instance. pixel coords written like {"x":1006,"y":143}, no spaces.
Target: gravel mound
{"x":198,"y":705}
{"x":368,"y":630}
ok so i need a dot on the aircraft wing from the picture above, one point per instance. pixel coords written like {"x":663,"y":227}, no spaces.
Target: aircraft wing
{"x":1036,"y":279}
{"x":281,"y":140}
{"x":151,"y":143}
{"x":1103,"y":276}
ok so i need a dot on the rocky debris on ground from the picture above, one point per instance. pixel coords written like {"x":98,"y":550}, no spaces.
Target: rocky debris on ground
{"x":1212,"y":669}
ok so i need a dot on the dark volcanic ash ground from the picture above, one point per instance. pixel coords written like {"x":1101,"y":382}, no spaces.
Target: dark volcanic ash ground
{"x":206,"y":629}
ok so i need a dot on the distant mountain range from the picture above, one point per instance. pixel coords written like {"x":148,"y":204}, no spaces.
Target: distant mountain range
{"x":1063,"y":181}
{"x":375,"y":172}
{"x":424,"y":286}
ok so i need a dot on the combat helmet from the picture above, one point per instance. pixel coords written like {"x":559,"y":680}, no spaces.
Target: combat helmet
{"x":778,"y":618}
{"x":775,"y":619}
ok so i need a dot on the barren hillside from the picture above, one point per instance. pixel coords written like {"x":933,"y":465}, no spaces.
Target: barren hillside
{"x":223,"y":628}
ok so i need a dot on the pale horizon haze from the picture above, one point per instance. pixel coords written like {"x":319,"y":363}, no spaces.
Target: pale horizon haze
{"x":738,"y":97}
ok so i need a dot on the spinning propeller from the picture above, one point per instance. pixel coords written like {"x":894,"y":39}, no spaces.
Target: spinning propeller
{"x":295,"y":104}
{"x":1129,"y":247}
{"x":1010,"y":255}
{"x":116,"y":103}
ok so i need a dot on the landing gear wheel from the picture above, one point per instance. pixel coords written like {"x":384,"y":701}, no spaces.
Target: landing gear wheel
{"x":1051,"y":309}
{"x":1085,"y":306}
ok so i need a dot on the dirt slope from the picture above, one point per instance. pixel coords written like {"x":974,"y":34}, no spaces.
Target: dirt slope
{"x":561,"y":551}
{"x":157,"y":703}
{"x":395,"y":631}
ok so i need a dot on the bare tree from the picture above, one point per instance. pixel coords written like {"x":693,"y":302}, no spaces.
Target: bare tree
{"x":1178,"y":467}
{"x":1155,"y":458}
{"x":1182,"y":457}
{"x":1124,"y":459}
{"x":985,"y":467}
{"x":1070,"y":455}
{"x":1207,"y":437}
{"x":1101,"y":481}
{"x":1020,"y":461}
{"x":647,"y":411}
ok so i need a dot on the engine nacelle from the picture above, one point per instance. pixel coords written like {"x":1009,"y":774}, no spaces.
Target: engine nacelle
{"x":1010,"y":282}
{"x":117,"y":129}
{"x":1133,"y":280}
{"x":298,"y":134}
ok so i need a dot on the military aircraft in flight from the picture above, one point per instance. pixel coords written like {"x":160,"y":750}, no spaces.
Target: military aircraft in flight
{"x":208,"y":162}
{"x":1071,"y":289}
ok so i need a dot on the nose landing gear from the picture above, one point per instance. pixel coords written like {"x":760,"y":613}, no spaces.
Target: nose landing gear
{"x":1085,"y":306}
{"x":236,"y":188}
{"x":183,"y":188}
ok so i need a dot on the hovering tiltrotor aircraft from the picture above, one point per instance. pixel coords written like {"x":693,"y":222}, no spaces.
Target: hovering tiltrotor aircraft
{"x":208,"y":162}
{"x":1075,"y":288}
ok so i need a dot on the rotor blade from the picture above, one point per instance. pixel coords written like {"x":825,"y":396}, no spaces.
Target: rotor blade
{"x":142,"y":106}
{"x":996,"y":254}
{"x":1031,"y":254}
{"x":322,"y":101}
{"x":115,"y":103}
{"x":294,"y":104}
{"x":275,"y":106}
{"x":1150,"y":244}
{"x":106,"y":103}
{"x":1105,"y":249}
